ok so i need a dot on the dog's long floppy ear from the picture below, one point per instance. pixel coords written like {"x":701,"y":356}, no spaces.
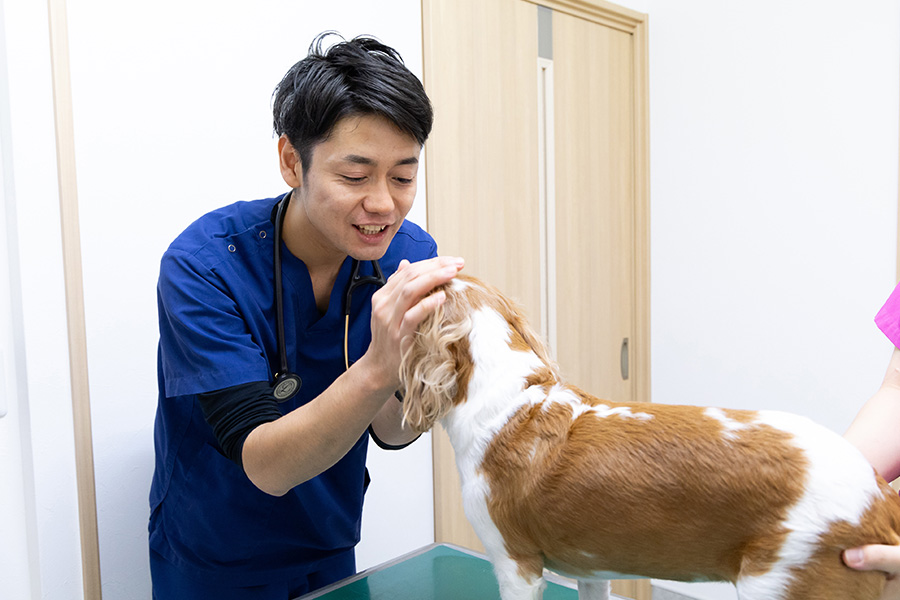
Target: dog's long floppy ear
{"x":435,"y":369}
{"x":515,"y":316}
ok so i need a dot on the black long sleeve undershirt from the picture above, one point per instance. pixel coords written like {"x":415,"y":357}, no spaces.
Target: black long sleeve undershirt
{"x":235,"y":411}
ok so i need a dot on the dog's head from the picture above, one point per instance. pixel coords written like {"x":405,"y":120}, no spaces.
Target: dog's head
{"x":436,"y":368}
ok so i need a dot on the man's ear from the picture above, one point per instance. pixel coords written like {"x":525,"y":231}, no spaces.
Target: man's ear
{"x":289,"y":159}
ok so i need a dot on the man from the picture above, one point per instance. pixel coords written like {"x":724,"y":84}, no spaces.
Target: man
{"x":252,"y":497}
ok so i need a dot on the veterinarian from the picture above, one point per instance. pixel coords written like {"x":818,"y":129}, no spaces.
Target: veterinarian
{"x":874,"y":432}
{"x":280,"y":339}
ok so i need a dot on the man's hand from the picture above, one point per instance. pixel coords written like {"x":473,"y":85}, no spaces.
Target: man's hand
{"x":399,"y":307}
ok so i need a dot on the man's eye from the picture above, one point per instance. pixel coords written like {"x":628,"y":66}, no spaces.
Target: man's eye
{"x":403,"y":180}
{"x":353,"y":179}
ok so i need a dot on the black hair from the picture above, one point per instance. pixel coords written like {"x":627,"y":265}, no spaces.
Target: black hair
{"x":361,"y":76}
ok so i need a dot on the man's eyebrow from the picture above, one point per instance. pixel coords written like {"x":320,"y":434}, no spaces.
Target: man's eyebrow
{"x":358,"y":160}
{"x":364,"y":160}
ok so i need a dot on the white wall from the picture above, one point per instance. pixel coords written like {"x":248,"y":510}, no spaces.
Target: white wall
{"x":38,"y":499}
{"x":172,"y":119}
{"x":774,"y":153}
{"x":17,"y":519}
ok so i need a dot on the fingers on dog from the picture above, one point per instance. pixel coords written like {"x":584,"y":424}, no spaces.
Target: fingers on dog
{"x":415,"y":303}
{"x":442,"y":267}
{"x":404,"y":300}
{"x":414,"y":281}
{"x":874,"y":558}
{"x":417,"y":313}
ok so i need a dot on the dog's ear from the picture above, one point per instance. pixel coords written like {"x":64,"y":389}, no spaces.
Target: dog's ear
{"x":518,"y":323}
{"x":434,"y":370}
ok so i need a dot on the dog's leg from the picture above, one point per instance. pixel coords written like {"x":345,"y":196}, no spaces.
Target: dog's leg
{"x":593,"y":590}
{"x":521,"y":578}
{"x":514,"y":584}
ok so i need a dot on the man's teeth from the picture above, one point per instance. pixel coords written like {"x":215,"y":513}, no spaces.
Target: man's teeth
{"x":370,"y":229}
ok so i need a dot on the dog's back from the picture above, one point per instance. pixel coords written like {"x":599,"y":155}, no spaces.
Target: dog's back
{"x":765,"y":500}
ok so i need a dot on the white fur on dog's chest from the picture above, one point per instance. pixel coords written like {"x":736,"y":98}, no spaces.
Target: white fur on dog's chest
{"x":473,"y":425}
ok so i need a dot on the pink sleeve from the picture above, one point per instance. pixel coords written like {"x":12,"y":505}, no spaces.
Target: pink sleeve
{"x":888,"y":318}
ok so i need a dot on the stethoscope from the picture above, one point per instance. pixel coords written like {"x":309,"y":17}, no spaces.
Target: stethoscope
{"x":287,"y":384}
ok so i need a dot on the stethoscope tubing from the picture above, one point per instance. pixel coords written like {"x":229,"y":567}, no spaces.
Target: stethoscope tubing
{"x":287,"y":384}
{"x":279,"y":292}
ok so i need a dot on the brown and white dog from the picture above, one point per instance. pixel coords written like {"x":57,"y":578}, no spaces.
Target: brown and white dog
{"x":555,"y":478}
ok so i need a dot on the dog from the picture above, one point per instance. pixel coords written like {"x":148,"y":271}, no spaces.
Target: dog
{"x":594,"y":490}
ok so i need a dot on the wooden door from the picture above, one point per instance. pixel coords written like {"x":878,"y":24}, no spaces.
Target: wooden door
{"x":594,"y":205}
{"x":536,"y":173}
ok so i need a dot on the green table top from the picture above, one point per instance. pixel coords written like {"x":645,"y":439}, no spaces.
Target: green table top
{"x":437,"y":572}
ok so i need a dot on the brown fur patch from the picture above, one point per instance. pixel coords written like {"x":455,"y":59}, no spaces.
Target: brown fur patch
{"x":544,"y":377}
{"x":595,"y":493}
{"x":464,"y":368}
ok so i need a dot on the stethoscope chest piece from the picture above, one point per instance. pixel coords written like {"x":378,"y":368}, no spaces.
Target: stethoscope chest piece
{"x":286,"y":386}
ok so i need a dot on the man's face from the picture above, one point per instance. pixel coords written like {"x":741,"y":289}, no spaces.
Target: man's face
{"x":357,"y":190}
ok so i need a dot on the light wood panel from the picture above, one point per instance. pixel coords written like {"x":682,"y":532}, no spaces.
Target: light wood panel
{"x":594,"y":203}
{"x":482,"y":159}
{"x":481,"y":166}
{"x":71,"y":242}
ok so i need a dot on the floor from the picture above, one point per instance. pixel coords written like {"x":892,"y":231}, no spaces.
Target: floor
{"x":661,"y":594}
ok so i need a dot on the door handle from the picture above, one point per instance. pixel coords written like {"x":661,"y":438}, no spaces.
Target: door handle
{"x":623,"y":359}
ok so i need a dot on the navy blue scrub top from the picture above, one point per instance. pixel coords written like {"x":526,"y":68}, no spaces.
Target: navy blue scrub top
{"x":217,"y":329}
